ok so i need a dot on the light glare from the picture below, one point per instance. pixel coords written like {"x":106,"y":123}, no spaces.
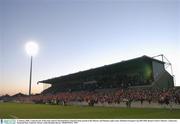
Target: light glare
{"x":31,"y":48}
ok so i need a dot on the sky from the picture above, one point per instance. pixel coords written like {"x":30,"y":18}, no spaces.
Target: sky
{"x":75,"y":35}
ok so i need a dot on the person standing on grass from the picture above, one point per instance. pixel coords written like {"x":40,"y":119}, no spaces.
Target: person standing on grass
{"x":171,"y":103}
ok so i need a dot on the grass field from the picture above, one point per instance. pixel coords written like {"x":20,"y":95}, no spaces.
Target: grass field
{"x":39,"y":111}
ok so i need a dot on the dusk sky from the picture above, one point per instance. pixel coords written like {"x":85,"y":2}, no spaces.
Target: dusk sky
{"x":75,"y":35}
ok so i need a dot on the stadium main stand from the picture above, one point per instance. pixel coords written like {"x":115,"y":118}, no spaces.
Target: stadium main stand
{"x":139,"y":82}
{"x":144,"y":71}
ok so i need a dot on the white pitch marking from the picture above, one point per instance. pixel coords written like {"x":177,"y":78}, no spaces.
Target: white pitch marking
{"x":15,"y":117}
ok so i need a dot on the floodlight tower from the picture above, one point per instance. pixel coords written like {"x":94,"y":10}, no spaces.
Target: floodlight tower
{"x":31,"y":49}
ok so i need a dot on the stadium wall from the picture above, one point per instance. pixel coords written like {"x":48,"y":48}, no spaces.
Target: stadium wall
{"x":158,"y":68}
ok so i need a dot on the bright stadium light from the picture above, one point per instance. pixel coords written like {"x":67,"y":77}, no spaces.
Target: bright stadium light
{"x":31,"y":49}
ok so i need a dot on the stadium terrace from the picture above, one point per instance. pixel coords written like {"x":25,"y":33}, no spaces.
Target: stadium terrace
{"x":141,"y":72}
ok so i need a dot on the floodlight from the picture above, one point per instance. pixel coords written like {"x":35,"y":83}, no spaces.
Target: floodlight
{"x":31,"y":48}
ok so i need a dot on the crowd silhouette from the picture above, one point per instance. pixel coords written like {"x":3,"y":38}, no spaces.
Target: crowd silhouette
{"x":109,"y":96}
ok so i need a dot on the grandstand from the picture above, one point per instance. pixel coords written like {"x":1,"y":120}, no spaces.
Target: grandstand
{"x":142,"y":82}
{"x":146,"y":72}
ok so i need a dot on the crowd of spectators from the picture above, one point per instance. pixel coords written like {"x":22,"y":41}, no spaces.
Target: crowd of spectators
{"x":109,"y":96}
